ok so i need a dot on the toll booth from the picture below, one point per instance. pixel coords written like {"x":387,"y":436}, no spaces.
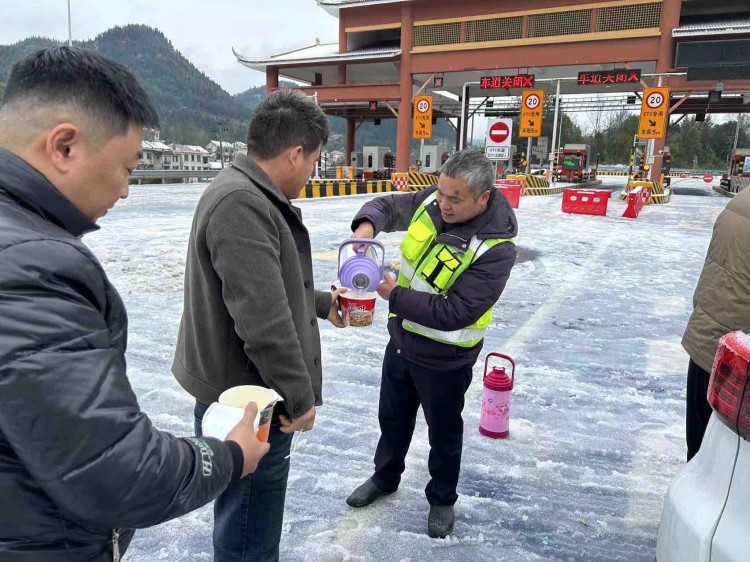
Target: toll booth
{"x":377,"y":162}
{"x":374,"y":158}
{"x":432,"y":156}
{"x":573,"y":164}
{"x":357,"y":161}
{"x":738,"y":177}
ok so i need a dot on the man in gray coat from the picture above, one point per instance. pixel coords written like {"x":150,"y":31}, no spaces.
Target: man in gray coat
{"x":251,"y":309}
{"x":721,"y":305}
{"x":80,"y":463}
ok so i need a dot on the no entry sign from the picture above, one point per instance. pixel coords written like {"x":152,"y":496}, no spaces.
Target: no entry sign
{"x":497,"y":144}
{"x":499,"y":132}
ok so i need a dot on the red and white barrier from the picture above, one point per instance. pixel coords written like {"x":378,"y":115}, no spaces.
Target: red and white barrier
{"x":585,"y":201}
{"x":400,"y":181}
{"x":636,"y":200}
{"x":512,"y":190}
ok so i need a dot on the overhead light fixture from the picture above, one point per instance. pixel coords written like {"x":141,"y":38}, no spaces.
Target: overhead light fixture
{"x":446,"y":94}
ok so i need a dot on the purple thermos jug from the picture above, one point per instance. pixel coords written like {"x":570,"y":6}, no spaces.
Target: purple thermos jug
{"x":362,"y":272}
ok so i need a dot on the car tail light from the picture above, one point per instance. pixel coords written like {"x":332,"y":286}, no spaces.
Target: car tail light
{"x":728,"y":389}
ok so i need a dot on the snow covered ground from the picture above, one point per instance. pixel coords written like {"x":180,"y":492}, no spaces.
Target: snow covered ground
{"x":593,"y":315}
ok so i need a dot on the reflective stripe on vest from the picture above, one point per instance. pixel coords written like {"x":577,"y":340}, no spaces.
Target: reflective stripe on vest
{"x":434,"y":269}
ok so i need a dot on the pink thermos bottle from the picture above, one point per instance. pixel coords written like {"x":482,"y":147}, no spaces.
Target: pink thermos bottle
{"x":495,"y":418}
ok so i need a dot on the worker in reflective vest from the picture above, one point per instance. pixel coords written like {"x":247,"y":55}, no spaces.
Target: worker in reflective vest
{"x":456,"y":257}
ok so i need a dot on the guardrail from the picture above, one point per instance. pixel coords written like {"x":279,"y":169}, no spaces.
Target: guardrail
{"x":173,"y":174}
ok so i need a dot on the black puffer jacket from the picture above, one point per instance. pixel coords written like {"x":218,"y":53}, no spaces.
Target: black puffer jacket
{"x":476,"y":290}
{"x":78,"y":458}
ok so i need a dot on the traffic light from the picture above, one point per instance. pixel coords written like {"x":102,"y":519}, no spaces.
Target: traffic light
{"x":666,"y":163}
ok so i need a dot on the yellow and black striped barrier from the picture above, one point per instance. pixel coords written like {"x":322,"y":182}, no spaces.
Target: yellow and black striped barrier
{"x":334,"y":188}
{"x":543,"y":190}
{"x":536,"y":182}
{"x":535,"y":185}
{"x":658,"y":194}
{"x":419,"y":181}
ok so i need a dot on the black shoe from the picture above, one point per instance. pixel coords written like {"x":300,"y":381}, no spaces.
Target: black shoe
{"x":366,"y":494}
{"x":440,"y":521}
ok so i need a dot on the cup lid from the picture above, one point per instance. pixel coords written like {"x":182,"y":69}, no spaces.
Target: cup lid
{"x":241,"y":396}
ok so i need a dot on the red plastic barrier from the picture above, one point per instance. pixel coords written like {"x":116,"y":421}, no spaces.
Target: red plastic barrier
{"x":636,"y":200}
{"x":585,"y":201}
{"x":512,"y":190}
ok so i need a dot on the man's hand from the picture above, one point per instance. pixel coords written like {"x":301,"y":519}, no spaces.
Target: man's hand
{"x":365,"y":230}
{"x":386,"y":287}
{"x":244,"y":435}
{"x":334,"y":314}
{"x":303,"y":423}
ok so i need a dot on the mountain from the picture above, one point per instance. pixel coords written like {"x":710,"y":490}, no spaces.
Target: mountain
{"x":192,"y":107}
{"x":251,"y":98}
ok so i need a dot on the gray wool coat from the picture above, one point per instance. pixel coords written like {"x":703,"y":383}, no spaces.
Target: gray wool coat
{"x":251,"y":310}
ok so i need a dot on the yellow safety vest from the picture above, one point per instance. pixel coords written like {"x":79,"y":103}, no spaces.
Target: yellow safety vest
{"x":435,"y":268}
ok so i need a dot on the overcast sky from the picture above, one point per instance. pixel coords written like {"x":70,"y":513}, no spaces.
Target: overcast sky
{"x":204,"y":31}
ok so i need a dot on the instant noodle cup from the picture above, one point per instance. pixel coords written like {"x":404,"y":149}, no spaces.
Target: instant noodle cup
{"x":357,"y":309}
{"x":240,"y":396}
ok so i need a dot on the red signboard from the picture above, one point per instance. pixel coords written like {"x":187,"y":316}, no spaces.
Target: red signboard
{"x":708,"y":178}
{"x":506,"y":82}
{"x":610,"y":77}
{"x":499,"y":132}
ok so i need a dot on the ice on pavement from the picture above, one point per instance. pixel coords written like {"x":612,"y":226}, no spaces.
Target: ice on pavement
{"x":593,"y":315}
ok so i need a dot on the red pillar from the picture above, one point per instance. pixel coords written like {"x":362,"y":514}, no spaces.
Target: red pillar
{"x":342,"y":33}
{"x":670,"y":18}
{"x":350,"y":139}
{"x":272,"y":79}
{"x":403,"y":138}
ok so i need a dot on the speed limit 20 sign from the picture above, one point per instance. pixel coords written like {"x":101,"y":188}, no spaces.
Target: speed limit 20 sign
{"x":423,"y":117}
{"x":532,"y":102}
{"x":654,"y":113}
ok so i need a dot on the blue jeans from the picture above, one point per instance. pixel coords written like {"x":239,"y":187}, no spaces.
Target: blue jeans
{"x":248,"y":516}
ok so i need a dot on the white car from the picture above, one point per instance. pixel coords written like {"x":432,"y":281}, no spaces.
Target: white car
{"x":706,"y":516}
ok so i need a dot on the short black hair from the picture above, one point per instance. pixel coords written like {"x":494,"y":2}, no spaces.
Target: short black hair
{"x":285,"y":119}
{"x":101,"y":88}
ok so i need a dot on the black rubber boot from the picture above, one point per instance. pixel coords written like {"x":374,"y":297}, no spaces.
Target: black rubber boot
{"x":366,"y":494}
{"x":440,"y":521}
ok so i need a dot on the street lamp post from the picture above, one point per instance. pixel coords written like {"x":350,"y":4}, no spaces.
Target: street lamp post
{"x":70,"y":28}
{"x":221,"y":129}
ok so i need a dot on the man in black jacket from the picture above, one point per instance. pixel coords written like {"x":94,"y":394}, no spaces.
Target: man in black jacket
{"x":456,"y":257}
{"x":80,"y":464}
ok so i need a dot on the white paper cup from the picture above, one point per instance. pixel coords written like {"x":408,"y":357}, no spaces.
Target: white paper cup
{"x":222,"y":416}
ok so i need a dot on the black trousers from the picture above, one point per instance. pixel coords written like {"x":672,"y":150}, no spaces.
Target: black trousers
{"x":403,"y":388}
{"x":698,"y":410}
